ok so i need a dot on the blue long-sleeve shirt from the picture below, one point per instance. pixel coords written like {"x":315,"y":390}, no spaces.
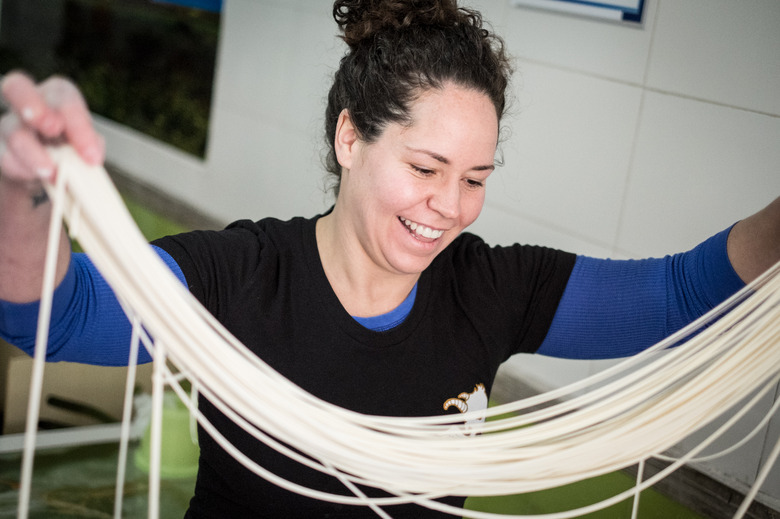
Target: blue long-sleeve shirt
{"x":610,"y":308}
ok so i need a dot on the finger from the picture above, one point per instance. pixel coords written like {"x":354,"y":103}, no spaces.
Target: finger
{"x":24,"y":156}
{"x":9,"y":123}
{"x":12,"y":167}
{"x":78,"y":127}
{"x":28,"y":151}
{"x":24,"y":99}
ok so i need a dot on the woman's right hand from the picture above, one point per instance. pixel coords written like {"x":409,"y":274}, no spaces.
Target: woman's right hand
{"x":52,"y":112}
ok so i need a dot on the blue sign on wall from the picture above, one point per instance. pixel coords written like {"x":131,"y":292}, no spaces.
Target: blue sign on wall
{"x":214,"y":6}
{"x":617,"y":10}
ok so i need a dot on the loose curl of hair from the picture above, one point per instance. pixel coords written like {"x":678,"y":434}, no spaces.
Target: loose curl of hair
{"x":399,"y":49}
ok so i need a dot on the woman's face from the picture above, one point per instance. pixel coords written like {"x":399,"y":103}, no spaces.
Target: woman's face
{"x":414,"y":189}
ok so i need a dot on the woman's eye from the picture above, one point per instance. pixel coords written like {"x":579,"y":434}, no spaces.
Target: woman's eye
{"x":474,"y":183}
{"x":422,"y":171}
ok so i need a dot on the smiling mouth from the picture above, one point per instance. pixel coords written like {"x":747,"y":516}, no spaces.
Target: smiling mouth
{"x":421,"y":231}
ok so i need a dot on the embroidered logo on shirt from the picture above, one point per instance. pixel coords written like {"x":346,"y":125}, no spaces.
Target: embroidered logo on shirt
{"x":472,"y":402}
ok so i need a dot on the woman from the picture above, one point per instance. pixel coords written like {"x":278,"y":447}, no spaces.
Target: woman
{"x":382,"y":305}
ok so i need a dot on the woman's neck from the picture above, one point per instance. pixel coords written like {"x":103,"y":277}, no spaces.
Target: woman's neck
{"x":363,"y":288}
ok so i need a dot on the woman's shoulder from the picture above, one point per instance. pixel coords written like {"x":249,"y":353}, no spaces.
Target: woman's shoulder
{"x":271,"y":223}
{"x":243,"y":242}
{"x":470,"y":257}
{"x":471,"y":246}
{"x":243,"y":232}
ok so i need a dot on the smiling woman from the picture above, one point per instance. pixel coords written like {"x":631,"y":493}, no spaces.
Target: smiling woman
{"x":383,"y":306}
{"x":406,"y":196}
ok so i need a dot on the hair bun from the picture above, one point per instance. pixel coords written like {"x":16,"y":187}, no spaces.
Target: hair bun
{"x":360,"y":20}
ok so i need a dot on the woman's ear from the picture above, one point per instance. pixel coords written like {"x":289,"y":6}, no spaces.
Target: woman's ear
{"x":346,"y":139}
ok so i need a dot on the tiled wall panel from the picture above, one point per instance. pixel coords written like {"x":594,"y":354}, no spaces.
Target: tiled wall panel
{"x":719,"y":50}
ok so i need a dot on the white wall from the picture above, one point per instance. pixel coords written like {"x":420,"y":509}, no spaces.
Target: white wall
{"x":623,"y":141}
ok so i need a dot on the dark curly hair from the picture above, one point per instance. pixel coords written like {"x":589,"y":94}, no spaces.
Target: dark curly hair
{"x":398,"y":49}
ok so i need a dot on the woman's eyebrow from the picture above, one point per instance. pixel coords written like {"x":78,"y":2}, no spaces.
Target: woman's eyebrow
{"x":444,"y":160}
{"x":432,"y":154}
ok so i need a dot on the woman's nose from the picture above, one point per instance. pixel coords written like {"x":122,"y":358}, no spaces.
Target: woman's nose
{"x":445,"y":199}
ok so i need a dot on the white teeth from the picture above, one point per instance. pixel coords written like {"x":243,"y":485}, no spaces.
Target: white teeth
{"x":421,"y":230}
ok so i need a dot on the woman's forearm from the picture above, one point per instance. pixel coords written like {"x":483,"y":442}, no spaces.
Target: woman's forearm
{"x":24,"y":224}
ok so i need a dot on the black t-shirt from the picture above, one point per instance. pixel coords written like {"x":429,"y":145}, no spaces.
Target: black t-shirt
{"x":475,"y":306}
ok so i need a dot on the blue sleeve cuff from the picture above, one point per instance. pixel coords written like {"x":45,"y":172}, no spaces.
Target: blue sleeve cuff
{"x":22,"y":318}
{"x":709,"y":266}
{"x":88,"y":325}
